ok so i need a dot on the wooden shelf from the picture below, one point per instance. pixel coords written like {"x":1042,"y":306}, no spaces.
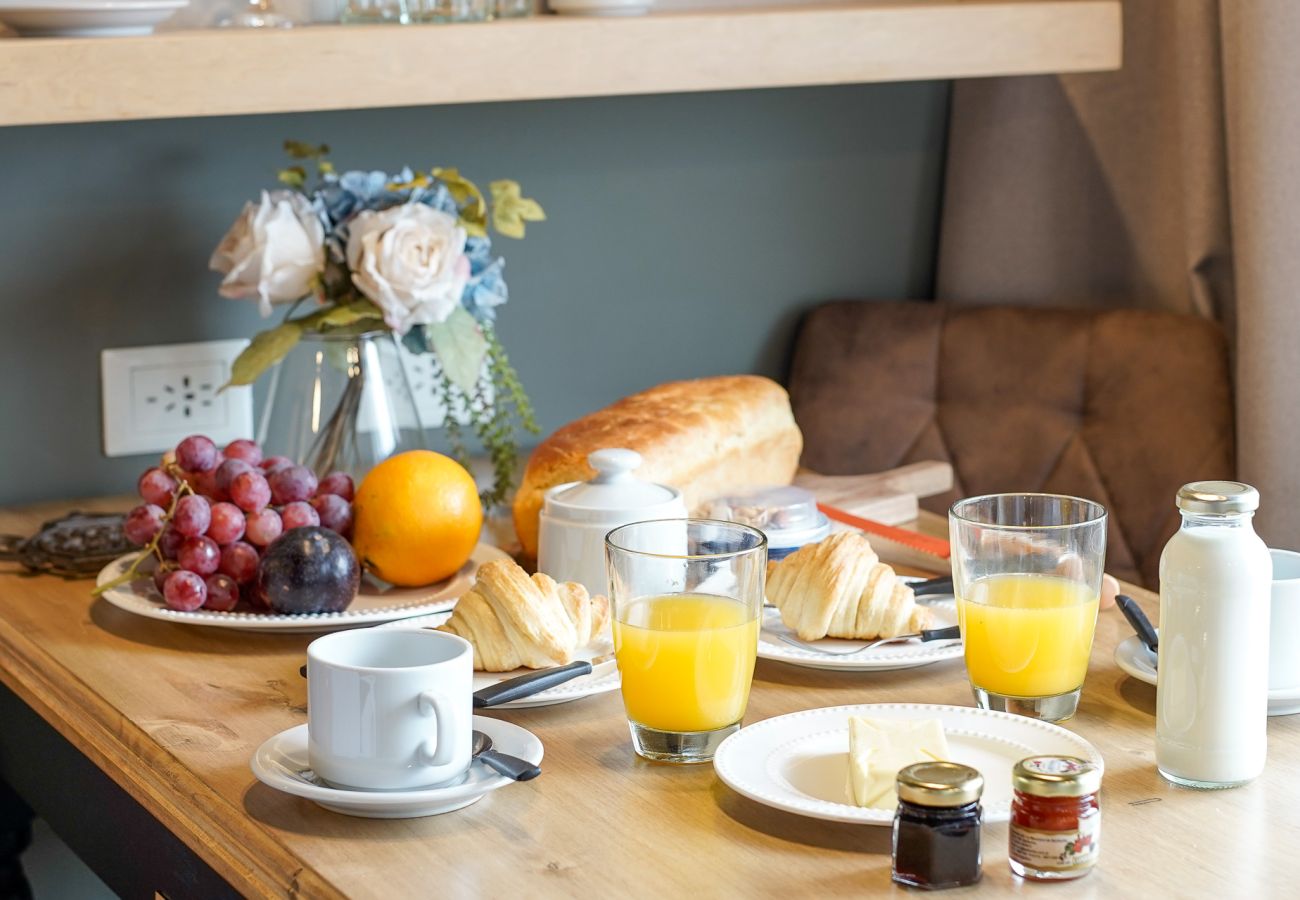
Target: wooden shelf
{"x":212,"y":72}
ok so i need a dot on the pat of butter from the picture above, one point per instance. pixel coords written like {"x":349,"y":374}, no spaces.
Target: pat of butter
{"x":878,"y":748}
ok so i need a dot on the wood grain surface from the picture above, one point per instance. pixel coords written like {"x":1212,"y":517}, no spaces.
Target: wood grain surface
{"x":173,"y":714}
{"x":208,"y":72}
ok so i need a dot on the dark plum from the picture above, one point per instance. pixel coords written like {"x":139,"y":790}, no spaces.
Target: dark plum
{"x":308,"y":570}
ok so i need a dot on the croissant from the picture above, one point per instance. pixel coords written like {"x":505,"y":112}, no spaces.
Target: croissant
{"x":840,"y":588}
{"x":513,"y":620}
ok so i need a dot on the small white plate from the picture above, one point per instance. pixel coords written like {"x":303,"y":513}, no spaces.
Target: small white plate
{"x":602,"y":680}
{"x":374,"y":603}
{"x":799,"y":762}
{"x":903,"y":655}
{"x":281,"y":763}
{"x":1135,"y":659}
{"x":86,"y":18}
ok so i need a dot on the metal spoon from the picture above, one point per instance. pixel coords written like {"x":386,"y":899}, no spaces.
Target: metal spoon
{"x":928,"y":634}
{"x":504,"y":763}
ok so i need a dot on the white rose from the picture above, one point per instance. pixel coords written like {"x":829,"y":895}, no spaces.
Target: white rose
{"x":272,"y":252}
{"x":410,"y":260}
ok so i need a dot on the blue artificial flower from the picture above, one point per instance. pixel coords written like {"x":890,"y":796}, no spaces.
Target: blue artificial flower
{"x":479,"y":251}
{"x":486,"y":289}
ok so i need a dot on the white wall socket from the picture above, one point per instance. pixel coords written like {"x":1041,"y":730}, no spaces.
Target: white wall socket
{"x":155,"y":396}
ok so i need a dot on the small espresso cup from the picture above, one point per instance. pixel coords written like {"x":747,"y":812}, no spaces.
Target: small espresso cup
{"x":1284,"y":622}
{"x":389,"y":709}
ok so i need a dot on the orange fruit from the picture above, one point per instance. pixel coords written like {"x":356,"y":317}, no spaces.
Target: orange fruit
{"x":416,"y":518}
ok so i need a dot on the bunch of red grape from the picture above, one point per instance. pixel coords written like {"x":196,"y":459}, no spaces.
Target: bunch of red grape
{"x":209,"y":514}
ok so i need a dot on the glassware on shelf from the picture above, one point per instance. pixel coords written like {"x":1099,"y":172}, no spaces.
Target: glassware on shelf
{"x":513,"y":9}
{"x":456,"y":10}
{"x":341,"y":402}
{"x":382,"y":12}
{"x":256,"y":14}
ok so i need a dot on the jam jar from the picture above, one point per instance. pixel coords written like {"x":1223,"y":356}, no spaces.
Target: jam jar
{"x":1055,"y":818}
{"x":937,"y":825}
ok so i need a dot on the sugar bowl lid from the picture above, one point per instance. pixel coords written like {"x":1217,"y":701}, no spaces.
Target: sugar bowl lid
{"x":614,"y":489}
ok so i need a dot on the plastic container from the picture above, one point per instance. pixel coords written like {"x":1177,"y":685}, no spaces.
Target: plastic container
{"x":788,"y":516}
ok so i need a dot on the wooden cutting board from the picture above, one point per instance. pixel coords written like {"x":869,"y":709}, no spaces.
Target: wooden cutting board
{"x":889,"y":497}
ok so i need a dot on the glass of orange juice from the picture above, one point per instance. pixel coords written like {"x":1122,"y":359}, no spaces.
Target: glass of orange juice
{"x":1027,"y":573}
{"x":687,"y":596}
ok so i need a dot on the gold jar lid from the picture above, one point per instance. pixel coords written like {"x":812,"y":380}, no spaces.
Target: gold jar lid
{"x":1056,"y":776}
{"x":939,"y":784}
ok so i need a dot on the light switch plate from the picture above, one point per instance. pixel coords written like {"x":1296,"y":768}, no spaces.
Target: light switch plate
{"x":155,"y":396}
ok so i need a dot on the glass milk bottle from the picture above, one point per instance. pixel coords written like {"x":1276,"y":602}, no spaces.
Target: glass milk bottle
{"x":1212,"y":685}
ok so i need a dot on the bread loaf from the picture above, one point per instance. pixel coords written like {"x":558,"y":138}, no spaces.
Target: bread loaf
{"x":705,"y":437}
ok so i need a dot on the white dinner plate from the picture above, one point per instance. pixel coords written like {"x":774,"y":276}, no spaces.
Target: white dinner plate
{"x":86,"y":18}
{"x":903,"y":655}
{"x":282,"y":763}
{"x":374,"y":603}
{"x":602,"y":680}
{"x":799,"y":762}
{"x":1134,"y":658}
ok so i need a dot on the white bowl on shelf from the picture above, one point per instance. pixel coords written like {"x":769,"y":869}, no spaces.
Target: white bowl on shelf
{"x":600,"y":7}
{"x":86,"y":18}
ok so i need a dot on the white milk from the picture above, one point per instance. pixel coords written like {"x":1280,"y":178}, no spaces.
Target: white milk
{"x":1212,"y":687}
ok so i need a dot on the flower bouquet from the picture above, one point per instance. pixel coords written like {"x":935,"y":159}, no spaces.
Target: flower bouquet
{"x":359,"y":252}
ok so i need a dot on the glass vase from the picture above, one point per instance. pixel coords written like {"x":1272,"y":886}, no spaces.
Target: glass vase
{"x":340,"y":403}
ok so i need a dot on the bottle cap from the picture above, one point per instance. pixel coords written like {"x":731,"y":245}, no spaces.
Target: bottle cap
{"x":1055,"y":776}
{"x":1217,"y":498}
{"x":939,"y":784}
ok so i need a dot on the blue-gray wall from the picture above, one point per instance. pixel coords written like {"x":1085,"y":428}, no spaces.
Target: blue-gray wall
{"x":686,"y":236}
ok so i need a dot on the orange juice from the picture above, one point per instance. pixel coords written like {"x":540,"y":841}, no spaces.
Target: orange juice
{"x":686,"y":660}
{"x":1027,"y":635}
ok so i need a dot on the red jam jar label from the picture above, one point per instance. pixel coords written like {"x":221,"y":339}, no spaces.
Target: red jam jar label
{"x":1058,"y":851}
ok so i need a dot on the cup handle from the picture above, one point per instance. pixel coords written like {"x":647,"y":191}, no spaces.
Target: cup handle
{"x":439,"y":751}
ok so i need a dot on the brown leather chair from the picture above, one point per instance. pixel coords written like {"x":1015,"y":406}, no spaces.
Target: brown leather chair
{"x":1121,"y":407}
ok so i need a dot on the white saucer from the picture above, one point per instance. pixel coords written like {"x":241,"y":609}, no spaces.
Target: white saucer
{"x":799,"y":762}
{"x":602,"y":680}
{"x":86,"y":18}
{"x":1136,"y":660}
{"x":903,"y":655}
{"x":281,"y":763}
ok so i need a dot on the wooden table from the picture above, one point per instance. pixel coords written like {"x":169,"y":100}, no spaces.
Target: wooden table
{"x":172,"y":714}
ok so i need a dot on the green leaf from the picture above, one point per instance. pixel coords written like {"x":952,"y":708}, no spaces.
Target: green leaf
{"x":415,"y":340}
{"x":266,"y":349}
{"x":303,"y":150}
{"x":473,"y":208}
{"x":461,"y":348}
{"x":294,"y":176}
{"x":346,"y":314}
{"x":510,"y":210}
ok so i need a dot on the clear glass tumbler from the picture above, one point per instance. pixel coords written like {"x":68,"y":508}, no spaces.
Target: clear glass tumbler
{"x":687,"y":598}
{"x":1027,"y":573}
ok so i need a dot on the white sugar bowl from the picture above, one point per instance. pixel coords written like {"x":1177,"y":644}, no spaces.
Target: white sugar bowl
{"x":577,"y":516}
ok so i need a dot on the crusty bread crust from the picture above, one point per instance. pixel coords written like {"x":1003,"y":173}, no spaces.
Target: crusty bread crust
{"x":706,"y":437}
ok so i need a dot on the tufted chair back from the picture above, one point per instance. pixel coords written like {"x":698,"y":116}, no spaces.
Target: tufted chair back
{"x":1121,"y":406}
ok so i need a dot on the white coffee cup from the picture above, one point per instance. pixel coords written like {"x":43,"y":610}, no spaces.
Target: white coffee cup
{"x":389,"y":709}
{"x":1284,"y":627}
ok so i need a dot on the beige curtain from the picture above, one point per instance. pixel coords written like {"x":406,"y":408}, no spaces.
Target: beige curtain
{"x":1172,"y":184}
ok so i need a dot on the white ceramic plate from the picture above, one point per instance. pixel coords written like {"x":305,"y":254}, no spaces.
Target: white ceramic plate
{"x":374,"y":603}
{"x":281,"y":763}
{"x":1139,"y":662}
{"x":799,"y":762}
{"x":86,"y":18}
{"x":602,"y":680}
{"x":903,"y":655}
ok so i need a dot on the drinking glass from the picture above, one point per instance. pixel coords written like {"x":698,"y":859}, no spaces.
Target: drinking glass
{"x":1027,"y":573}
{"x":687,"y":595}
